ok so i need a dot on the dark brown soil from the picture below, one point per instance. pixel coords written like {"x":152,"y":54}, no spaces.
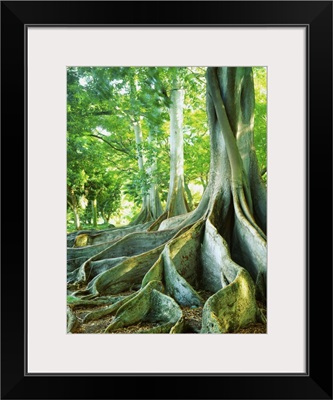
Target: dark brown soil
{"x":254,"y":328}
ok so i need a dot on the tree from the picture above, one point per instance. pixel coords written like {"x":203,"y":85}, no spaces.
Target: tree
{"x":90,"y":179}
{"x":94,"y":114}
{"x":260,"y":117}
{"x":211,"y":259}
{"x":176,"y":203}
{"x":76,"y":179}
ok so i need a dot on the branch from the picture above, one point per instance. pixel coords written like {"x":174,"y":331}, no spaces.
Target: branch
{"x":106,"y":112}
{"x":122,"y":169}
{"x":122,"y":150}
{"x":196,"y":75}
{"x":263,"y":171}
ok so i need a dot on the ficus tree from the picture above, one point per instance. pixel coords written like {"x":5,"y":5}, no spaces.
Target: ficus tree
{"x":212,"y":258}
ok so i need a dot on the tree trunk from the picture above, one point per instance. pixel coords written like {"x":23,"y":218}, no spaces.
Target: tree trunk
{"x":74,"y":206}
{"x":176,"y":203}
{"x":151,"y":204}
{"x":155,"y":204}
{"x":203,"y":183}
{"x":138,"y":141}
{"x":145,"y":214}
{"x":189,"y":196}
{"x":238,"y":203}
{"x":77,"y":219}
{"x":105,"y":216}
{"x":94,"y":212}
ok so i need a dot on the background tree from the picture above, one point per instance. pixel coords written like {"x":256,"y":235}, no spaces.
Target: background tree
{"x":176,"y":202}
{"x":90,"y":179}
{"x":260,"y":118}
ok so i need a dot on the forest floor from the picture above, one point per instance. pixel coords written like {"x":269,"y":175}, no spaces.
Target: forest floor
{"x":192,"y":317}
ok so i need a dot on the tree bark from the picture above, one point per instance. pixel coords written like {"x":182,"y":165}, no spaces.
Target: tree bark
{"x":176,"y":203}
{"x":77,"y":219}
{"x":189,"y":196}
{"x":155,"y":204}
{"x":145,"y":214}
{"x":230,"y":111}
{"x":94,"y":212}
{"x":74,"y":206}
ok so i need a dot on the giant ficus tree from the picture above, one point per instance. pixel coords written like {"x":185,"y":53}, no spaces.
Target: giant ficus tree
{"x":155,"y":272}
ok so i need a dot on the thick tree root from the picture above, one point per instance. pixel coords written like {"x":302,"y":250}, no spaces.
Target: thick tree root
{"x":96,"y":237}
{"x":176,"y":286}
{"x":90,"y":269}
{"x":178,"y":266}
{"x":250,"y":249}
{"x":173,"y":268}
{"x":106,"y":300}
{"x":149,"y":305}
{"x":72,"y":321}
{"x":77,"y":256}
{"x":163,"y":274}
{"x":135,"y":243}
{"x":232,"y":307}
{"x":174,"y":222}
{"x":156,"y":224}
{"x":118,"y":251}
{"x":72,"y":266}
{"x":72,"y":236}
{"x":184,"y":249}
{"x":112,"y":309}
{"x":122,"y":276}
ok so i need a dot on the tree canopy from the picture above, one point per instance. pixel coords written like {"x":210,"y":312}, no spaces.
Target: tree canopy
{"x":102,"y":104}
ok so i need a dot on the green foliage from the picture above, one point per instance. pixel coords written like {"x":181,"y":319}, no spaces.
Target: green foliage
{"x":89,"y":176}
{"x":102,"y":155}
{"x":260,"y":116}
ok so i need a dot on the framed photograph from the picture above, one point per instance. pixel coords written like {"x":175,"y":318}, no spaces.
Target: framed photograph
{"x":270,"y":336}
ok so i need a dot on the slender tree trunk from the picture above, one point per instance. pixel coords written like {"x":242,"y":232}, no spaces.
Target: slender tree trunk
{"x":145,"y":214}
{"x":77,"y":219}
{"x":94,"y":212}
{"x":74,"y":206}
{"x":203,"y":183}
{"x":189,"y":196}
{"x":138,"y":141}
{"x":155,"y":204}
{"x":151,"y":204}
{"x":105,"y":217}
{"x":176,"y":203}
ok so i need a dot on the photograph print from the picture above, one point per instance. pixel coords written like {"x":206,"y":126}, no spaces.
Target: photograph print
{"x":166,"y":200}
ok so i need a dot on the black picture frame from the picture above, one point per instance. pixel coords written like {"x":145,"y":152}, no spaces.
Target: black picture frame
{"x":316,"y":383}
